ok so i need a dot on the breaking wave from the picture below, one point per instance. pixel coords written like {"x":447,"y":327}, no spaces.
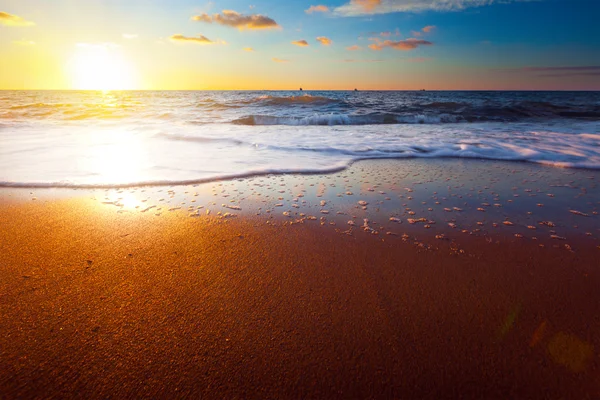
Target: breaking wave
{"x":81,"y":139}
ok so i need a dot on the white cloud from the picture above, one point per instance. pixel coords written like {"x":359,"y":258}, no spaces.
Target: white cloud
{"x":300,"y":43}
{"x":200,"y":39}
{"x":240,"y":21}
{"x":325,"y":41}
{"x":319,"y":8}
{"x":405,"y":45}
{"x":369,"y":7}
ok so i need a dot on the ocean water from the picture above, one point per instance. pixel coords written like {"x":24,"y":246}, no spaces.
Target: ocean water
{"x":87,"y":139}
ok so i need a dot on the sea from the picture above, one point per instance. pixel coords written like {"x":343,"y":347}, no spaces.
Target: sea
{"x":134,"y":138}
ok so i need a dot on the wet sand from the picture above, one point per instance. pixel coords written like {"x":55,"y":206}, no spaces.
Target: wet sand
{"x":228,"y":296}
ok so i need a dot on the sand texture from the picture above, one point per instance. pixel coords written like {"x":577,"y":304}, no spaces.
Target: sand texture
{"x":96,"y":303}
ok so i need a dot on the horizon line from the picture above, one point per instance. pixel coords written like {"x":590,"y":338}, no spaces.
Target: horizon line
{"x":298,"y":90}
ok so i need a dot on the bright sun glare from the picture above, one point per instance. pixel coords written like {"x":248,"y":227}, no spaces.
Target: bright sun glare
{"x":101,"y":67}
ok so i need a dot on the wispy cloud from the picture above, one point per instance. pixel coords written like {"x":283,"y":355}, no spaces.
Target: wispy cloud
{"x":369,"y":7}
{"x":366,"y":5}
{"x":130,"y":36}
{"x":325,"y":41}
{"x":558,"y":72}
{"x":559,"y":69}
{"x":240,"y":21}
{"x":427,"y":29}
{"x":354,"y":48}
{"x":300,"y":43}
{"x":280,"y":60}
{"x":319,"y":8}
{"x":24,"y":42}
{"x":249,"y":49}
{"x":408,"y":44}
{"x":200,"y":39}
{"x":569,"y":74}
{"x":13,"y":20}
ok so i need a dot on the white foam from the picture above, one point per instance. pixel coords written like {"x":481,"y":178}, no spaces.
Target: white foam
{"x":135,"y":152}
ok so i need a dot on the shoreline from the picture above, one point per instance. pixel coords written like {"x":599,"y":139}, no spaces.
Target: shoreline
{"x":250,"y":175}
{"x":214,"y":290}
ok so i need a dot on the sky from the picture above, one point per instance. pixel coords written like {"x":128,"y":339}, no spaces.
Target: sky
{"x":287,"y":44}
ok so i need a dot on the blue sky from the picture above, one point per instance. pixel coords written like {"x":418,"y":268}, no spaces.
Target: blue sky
{"x":373,"y":44}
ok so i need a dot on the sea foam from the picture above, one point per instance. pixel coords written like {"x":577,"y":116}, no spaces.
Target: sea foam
{"x":74,"y":139}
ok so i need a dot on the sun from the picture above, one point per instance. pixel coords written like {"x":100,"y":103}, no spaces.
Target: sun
{"x":101,"y":67}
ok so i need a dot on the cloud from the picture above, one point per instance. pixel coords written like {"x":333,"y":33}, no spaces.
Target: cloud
{"x":354,"y":48}
{"x":301,"y":43}
{"x":280,"y":60}
{"x":13,"y":20}
{"x":369,"y":7}
{"x":319,"y":8}
{"x":249,"y":49}
{"x":200,"y":39}
{"x":366,"y":5}
{"x":560,"y":72}
{"x":324,"y":40}
{"x":561,"y":69}
{"x":236,"y":20}
{"x":427,"y":29}
{"x":408,"y":44}
{"x":130,"y":36}
{"x":569,"y":74}
{"x":556,"y":71}
{"x":24,"y":42}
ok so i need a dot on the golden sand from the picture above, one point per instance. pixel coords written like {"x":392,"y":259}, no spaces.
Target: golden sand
{"x":96,"y":303}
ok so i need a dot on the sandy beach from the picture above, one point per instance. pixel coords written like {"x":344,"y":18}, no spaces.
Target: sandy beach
{"x":350,"y":199}
{"x":102,"y":297}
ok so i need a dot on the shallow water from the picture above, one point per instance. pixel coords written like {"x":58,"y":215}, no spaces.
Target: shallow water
{"x":410,"y":199}
{"x":55,"y":138}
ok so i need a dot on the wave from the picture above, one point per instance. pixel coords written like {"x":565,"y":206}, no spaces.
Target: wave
{"x":416,"y":153}
{"x":179,"y":182}
{"x":510,"y":112}
{"x":344,"y":119}
{"x":431,"y":113}
{"x":268,"y":100}
{"x":555,"y":149}
{"x":307,"y":109}
{"x":292,"y":100}
{"x":200,"y":139}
